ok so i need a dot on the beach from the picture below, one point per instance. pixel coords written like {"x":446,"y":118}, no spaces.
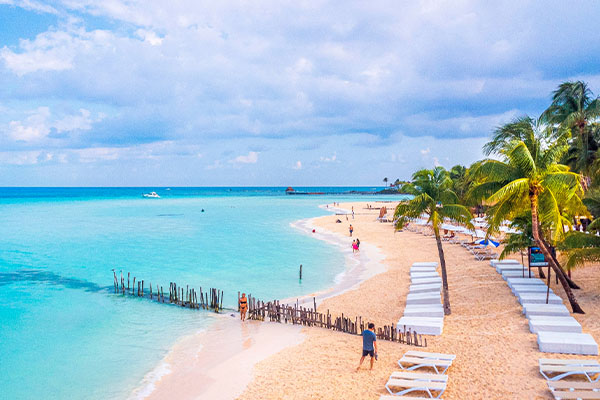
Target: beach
{"x":496,"y":355}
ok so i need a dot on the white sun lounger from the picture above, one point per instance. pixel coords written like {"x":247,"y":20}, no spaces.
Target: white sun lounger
{"x":411,"y":382}
{"x":493,"y":263}
{"x":511,"y":267}
{"x":423,"y":298}
{"x":420,"y":359}
{"x":553,"y":324}
{"x":516,"y":274}
{"x":421,"y":275}
{"x":558,"y":310}
{"x":422,"y":325}
{"x":426,"y":264}
{"x":415,"y":270}
{"x":567,"y":343}
{"x":538,"y":298}
{"x":428,"y":310}
{"x":574,"y":390}
{"x":518,"y":289}
{"x":524,"y":281}
{"x":429,"y":287}
{"x":560,"y":368}
{"x":422,"y":281}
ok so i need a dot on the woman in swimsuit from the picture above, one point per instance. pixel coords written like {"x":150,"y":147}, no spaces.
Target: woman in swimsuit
{"x":243,"y":306}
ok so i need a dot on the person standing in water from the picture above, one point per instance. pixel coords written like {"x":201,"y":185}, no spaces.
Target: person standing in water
{"x":243,"y":303}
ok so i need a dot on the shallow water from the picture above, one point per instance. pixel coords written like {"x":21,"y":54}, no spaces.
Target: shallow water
{"x":66,"y":335}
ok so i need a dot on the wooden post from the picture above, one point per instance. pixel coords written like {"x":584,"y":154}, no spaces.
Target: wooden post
{"x":128,"y":281}
{"x":300,"y":271}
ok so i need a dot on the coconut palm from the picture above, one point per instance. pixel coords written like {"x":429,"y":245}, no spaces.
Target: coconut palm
{"x":580,"y":248}
{"x":575,"y":111}
{"x":433,"y":196}
{"x":385,"y":181}
{"x":528,"y":178}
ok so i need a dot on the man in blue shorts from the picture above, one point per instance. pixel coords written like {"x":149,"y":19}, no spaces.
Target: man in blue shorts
{"x":369,"y":345}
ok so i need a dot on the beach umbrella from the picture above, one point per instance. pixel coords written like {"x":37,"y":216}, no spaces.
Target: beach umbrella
{"x":487,"y":242}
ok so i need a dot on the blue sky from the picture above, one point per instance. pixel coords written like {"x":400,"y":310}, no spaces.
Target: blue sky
{"x":125,"y":92}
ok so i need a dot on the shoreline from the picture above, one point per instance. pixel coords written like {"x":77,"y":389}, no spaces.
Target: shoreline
{"x":256,"y":341}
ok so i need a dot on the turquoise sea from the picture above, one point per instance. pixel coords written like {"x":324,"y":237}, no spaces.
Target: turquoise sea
{"x":66,"y":335}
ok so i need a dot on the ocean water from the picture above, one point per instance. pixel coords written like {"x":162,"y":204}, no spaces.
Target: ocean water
{"x":65,"y":334}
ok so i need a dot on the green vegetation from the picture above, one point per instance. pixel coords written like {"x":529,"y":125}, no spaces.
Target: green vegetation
{"x":434,"y":197}
{"x":542,"y":174}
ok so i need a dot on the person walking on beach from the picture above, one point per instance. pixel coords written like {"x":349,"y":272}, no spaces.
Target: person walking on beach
{"x":354,"y":246}
{"x":243,"y":306}
{"x":357,"y":244}
{"x":351,"y":229}
{"x":369,"y":345}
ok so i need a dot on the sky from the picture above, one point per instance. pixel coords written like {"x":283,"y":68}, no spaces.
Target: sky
{"x":273,"y":93}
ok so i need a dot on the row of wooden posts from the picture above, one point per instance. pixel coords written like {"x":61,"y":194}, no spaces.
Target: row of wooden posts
{"x":296,"y":315}
{"x":212,"y":299}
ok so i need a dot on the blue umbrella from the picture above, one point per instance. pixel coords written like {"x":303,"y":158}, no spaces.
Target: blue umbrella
{"x":487,"y":242}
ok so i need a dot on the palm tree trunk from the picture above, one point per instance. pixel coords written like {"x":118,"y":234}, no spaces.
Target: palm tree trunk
{"x":533,"y":197}
{"x":438,"y":240}
{"x":572,"y":284}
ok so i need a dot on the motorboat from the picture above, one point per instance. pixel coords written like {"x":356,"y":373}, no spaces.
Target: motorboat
{"x":152,"y":195}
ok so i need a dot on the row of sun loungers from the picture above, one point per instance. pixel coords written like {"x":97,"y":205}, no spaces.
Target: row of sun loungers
{"x":556,"y":369}
{"x":423,"y":312}
{"x":556,"y":329}
{"x":406,"y":381}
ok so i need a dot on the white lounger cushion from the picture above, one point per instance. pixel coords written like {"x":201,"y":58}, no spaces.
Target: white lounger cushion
{"x":545,"y":309}
{"x":422,"y":281}
{"x":524,"y":281}
{"x":426,"y":264}
{"x":422,"y":325}
{"x":423,"y":298}
{"x":494,"y":263}
{"x":417,"y":275}
{"x":429,"y":287}
{"x":553,"y":324}
{"x":510,"y":267}
{"x":517,"y":289}
{"x":516,"y":274}
{"x":429,"y":310}
{"x":538,"y":298}
{"x":569,"y":343}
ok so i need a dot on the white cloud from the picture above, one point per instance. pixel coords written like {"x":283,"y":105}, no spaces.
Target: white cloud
{"x":40,"y":122}
{"x":298,"y":165}
{"x":150,"y":37}
{"x":426,"y":151}
{"x":251,"y":158}
{"x":31,"y":5}
{"x":34,"y":128}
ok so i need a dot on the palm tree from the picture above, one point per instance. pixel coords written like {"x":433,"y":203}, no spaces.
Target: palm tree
{"x":580,"y":248}
{"x":575,"y":112}
{"x":433,"y":196}
{"x":528,"y":178}
{"x":385,"y":181}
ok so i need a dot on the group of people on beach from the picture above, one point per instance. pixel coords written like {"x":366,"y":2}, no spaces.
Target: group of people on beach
{"x":356,"y":245}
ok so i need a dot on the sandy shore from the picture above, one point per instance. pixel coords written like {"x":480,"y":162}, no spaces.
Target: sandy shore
{"x":497,"y":356}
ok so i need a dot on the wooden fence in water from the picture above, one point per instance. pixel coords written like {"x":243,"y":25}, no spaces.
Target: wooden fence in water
{"x":211,"y":299}
{"x":274,"y":311}
{"x":296,"y":315}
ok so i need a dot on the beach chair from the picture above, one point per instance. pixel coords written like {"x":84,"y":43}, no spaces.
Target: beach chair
{"x":574,"y":390}
{"x":406,"y":382}
{"x":560,"y":368}
{"x":412,"y":360}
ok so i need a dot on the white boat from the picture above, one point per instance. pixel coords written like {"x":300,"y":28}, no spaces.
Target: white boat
{"x":152,"y":194}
